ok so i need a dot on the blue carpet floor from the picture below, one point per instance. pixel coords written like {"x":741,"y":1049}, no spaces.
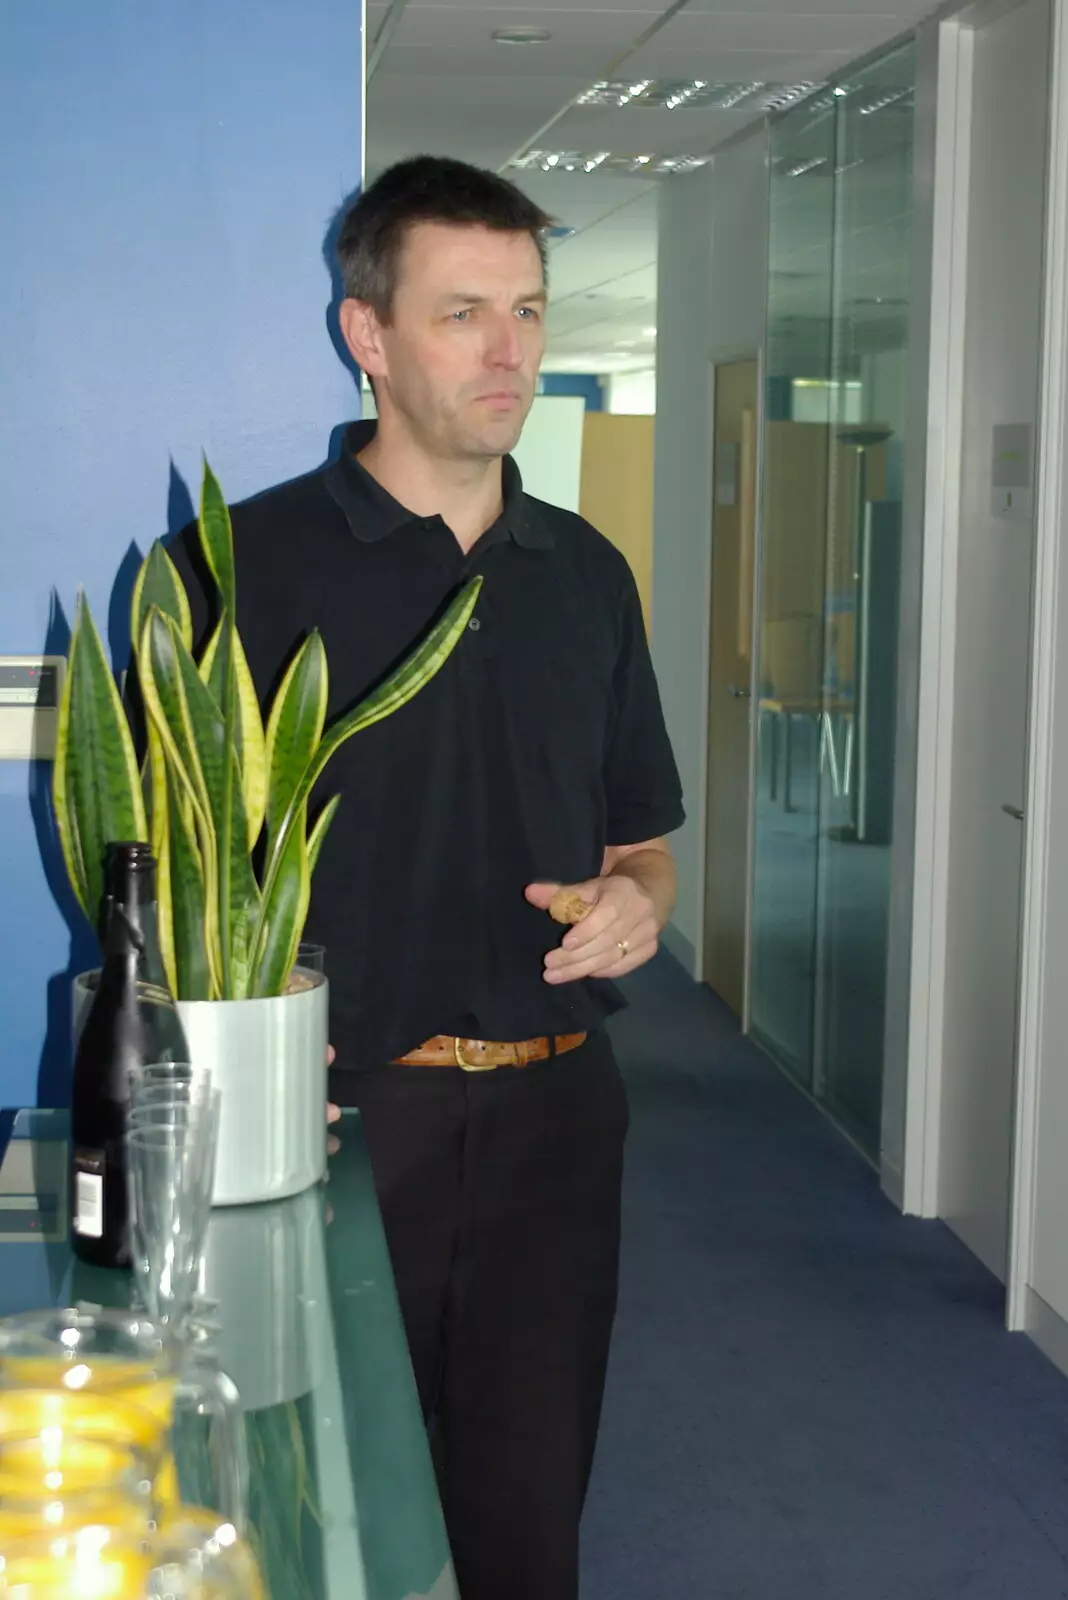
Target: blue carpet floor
{"x":809,"y":1394}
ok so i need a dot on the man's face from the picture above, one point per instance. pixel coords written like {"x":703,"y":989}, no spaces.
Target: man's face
{"x":459,"y":358}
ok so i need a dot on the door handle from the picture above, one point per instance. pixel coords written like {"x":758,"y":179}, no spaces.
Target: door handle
{"x":1014,"y":812}
{"x":739,"y":694}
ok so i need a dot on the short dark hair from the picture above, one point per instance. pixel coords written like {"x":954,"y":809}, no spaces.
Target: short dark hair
{"x":425,"y":189}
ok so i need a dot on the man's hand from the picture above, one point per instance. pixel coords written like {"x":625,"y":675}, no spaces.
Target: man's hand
{"x":333,"y":1113}
{"x":631,"y":900}
{"x":619,"y":935}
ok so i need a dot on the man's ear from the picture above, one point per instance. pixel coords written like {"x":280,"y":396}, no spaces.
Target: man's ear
{"x":362,"y":333}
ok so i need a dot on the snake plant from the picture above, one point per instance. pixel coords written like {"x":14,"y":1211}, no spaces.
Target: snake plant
{"x":217,"y":791}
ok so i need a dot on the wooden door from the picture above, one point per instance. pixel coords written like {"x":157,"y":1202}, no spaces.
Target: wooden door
{"x":617,"y":489}
{"x":730,"y":705}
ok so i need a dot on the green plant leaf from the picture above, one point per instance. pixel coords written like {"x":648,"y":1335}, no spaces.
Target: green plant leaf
{"x":294,"y":728}
{"x":319,"y":832}
{"x":394,"y":692}
{"x":159,"y":833}
{"x":216,"y":539}
{"x":284,"y":915}
{"x":96,"y":784}
{"x":238,"y":892}
{"x":287,"y":911}
{"x":159,"y":585}
{"x":249,"y":740}
{"x":235,"y":933}
{"x":165,"y":701}
{"x":188,"y":899}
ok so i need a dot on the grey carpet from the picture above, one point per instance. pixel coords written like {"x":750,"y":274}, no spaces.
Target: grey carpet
{"x":809,"y":1394}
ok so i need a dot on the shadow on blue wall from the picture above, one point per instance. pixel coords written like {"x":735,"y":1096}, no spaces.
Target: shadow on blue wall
{"x":337,"y":294}
{"x":53,"y":1072}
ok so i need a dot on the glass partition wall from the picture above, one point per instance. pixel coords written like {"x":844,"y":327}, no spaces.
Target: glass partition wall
{"x":837,"y":351}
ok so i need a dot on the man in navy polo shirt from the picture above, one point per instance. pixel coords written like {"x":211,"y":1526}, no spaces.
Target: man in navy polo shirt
{"x":534,"y":771}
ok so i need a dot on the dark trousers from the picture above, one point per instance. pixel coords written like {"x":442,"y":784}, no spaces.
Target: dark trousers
{"x":500,"y":1193}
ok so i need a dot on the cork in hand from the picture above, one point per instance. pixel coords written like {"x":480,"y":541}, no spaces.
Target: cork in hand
{"x":567,"y":906}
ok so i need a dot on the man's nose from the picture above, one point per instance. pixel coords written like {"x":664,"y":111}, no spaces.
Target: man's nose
{"x":505,"y":349}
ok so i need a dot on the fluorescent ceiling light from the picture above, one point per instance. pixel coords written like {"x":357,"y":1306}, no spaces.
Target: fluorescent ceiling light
{"x":587,"y":161}
{"x":702,"y":93}
{"x":806,"y":166}
{"x":521,"y":35}
{"x":892,"y":98}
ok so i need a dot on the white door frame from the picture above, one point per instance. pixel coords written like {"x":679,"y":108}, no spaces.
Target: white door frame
{"x":938,"y":606}
{"x":919,"y":1188}
{"x":1049,"y":618}
{"x":721,"y":356}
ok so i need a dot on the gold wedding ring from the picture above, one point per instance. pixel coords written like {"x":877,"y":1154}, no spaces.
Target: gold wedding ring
{"x":624,"y":947}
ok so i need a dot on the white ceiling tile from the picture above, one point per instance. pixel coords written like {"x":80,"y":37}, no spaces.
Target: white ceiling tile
{"x":586,"y":60}
{"x":521,"y":97}
{"x":798,"y":33}
{"x":663,"y":60}
{"x":537,"y":15}
{"x":466,"y":27}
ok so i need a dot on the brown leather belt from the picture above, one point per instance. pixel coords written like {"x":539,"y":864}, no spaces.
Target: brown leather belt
{"x":483,"y":1055}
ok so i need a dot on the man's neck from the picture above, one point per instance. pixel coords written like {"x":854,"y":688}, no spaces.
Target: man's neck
{"x":467,"y":495}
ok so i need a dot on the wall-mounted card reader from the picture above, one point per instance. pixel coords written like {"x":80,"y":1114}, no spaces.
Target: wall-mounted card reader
{"x":30,"y":687}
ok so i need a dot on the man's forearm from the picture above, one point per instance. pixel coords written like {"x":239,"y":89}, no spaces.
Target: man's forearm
{"x":653,"y":870}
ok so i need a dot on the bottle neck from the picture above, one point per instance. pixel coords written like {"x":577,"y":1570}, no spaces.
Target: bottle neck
{"x":133,"y":928}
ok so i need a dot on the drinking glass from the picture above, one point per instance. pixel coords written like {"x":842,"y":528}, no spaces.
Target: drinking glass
{"x":176,"y":1081}
{"x":171,"y":1152}
{"x":311,"y":956}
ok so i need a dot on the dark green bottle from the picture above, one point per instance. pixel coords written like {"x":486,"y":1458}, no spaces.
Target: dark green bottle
{"x":132,"y":1020}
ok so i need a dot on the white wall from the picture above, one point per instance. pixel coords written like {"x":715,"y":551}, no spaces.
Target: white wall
{"x":550,"y":452}
{"x":630,"y":394}
{"x":711,"y":286}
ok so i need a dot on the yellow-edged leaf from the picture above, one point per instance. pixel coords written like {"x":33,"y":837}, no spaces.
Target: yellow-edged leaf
{"x":319,"y":832}
{"x":159,"y":832}
{"x":159,"y":585}
{"x":295,"y":728}
{"x":249,"y":739}
{"x":96,"y":782}
{"x":168,"y":710}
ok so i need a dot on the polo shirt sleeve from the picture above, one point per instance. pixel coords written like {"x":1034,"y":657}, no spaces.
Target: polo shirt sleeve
{"x":641,"y":781}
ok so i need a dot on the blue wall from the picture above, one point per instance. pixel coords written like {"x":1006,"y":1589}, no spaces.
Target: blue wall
{"x":169,"y":171}
{"x":586,"y":384}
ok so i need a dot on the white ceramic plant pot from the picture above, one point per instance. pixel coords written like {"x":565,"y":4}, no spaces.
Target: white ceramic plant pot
{"x":269,"y":1059}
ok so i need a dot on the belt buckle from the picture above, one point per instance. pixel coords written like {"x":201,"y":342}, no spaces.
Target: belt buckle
{"x":470,"y":1066}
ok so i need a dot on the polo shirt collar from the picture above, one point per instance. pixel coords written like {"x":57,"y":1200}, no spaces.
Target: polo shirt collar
{"x":373,"y":514}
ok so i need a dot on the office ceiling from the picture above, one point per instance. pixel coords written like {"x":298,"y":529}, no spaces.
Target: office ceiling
{"x":442,"y":83}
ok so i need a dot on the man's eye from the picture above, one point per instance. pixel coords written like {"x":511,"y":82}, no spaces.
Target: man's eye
{"x":461,"y":316}
{"x":528,"y":313}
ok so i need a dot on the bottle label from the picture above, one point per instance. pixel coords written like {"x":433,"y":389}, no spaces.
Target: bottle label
{"x":89,"y":1194}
